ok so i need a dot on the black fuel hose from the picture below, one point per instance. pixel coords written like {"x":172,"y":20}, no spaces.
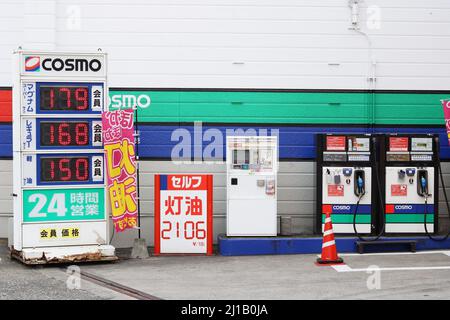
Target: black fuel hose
{"x":377,"y":178}
{"x":446,"y":202}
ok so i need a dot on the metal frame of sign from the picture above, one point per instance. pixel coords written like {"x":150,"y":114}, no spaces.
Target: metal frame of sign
{"x":208,"y":218}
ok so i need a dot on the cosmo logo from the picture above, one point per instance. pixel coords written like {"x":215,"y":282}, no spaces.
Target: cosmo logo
{"x":403,"y":207}
{"x":58,"y":64}
{"x":32,"y":64}
{"x":341,"y":207}
{"x":127,"y":101}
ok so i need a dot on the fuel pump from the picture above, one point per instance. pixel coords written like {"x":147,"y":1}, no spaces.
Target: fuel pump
{"x":410,"y":165}
{"x":345,"y":183}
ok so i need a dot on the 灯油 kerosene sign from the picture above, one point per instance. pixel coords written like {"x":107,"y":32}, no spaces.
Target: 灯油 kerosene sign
{"x":183,"y":213}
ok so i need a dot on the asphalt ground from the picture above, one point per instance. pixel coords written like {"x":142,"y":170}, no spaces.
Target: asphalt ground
{"x":21,"y":282}
{"x":422,"y":275}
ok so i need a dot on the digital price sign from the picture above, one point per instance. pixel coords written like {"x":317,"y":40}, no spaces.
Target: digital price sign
{"x":70,"y":133}
{"x":62,"y":98}
{"x":62,"y":169}
{"x":57,"y":98}
{"x":59,"y":184}
{"x":64,"y":133}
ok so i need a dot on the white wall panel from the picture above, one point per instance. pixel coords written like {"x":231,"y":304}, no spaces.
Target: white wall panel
{"x":276,"y":43}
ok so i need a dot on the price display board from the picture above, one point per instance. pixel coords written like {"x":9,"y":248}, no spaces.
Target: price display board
{"x":183,"y":214}
{"x":52,"y":134}
{"x":58,"y":169}
{"x":63,"y":97}
{"x":69,"y":98}
{"x":59,"y":184}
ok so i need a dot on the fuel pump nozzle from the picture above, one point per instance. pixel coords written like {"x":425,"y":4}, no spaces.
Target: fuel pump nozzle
{"x":422,"y":183}
{"x":359,"y":190}
{"x":360,"y":187}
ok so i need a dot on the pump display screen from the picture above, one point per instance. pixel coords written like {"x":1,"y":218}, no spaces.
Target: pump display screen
{"x":57,"y":98}
{"x":65,"y":169}
{"x":421,"y":144}
{"x":64,"y":133}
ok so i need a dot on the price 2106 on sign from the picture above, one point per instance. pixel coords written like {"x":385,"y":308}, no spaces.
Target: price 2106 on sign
{"x":183,"y":213}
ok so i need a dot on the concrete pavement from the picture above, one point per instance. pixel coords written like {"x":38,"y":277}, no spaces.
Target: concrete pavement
{"x":282,"y":277}
{"x":20,"y":282}
{"x":424,"y":275}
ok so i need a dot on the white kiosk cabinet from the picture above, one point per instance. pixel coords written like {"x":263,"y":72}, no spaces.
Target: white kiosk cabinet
{"x":252,"y":163}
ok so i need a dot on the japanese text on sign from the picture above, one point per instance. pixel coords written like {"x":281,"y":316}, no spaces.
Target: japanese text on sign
{"x":121,"y":167}
{"x":183,"y":214}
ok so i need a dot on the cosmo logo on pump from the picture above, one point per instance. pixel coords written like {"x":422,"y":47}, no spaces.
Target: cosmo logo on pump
{"x":409,"y":208}
{"x":346,"y":208}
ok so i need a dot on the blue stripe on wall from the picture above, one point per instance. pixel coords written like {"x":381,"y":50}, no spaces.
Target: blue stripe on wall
{"x":296,"y":142}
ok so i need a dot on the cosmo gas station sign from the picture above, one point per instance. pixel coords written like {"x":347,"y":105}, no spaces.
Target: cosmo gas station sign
{"x":59,"y":183}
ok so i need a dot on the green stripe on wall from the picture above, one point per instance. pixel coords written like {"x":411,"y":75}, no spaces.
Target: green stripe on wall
{"x":285,"y":107}
{"x":408,"y":218}
{"x":348,"y":218}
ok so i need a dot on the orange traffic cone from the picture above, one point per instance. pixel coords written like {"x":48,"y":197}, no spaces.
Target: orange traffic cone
{"x":329,"y":252}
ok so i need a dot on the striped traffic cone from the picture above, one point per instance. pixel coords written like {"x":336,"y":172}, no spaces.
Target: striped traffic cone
{"x":329,"y":252}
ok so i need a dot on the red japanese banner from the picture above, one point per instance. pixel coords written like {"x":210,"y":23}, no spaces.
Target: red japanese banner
{"x":183,"y":214}
{"x":446,"y":106}
{"x":120,"y":163}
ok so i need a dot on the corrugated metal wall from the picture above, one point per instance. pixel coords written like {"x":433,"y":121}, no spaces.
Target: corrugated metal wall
{"x":241,"y":43}
{"x":256,"y":44}
{"x":296,"y":196}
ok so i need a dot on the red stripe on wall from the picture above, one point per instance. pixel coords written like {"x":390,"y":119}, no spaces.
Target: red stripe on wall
{"x":5,"y":105}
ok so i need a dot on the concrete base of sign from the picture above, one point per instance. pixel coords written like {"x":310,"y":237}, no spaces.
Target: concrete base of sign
{"x":140,"y":250}
{"x":242,"y":246}
{"x":10,"y":232}
{"x":65,"y":254}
